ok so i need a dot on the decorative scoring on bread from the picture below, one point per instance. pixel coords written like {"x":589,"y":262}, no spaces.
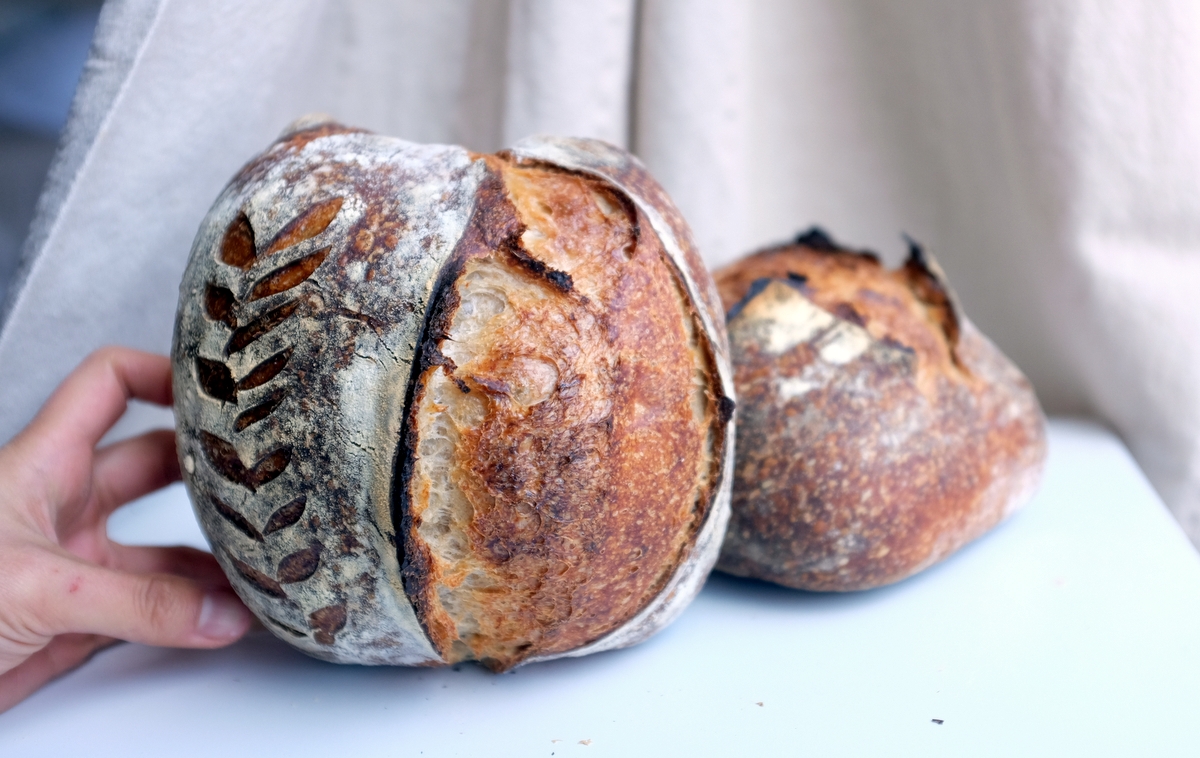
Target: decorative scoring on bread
{"x":504,"y":377}
{"x":292,"y":457}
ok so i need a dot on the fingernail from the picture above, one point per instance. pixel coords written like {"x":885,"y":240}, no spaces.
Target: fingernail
{"x":222,"y":617}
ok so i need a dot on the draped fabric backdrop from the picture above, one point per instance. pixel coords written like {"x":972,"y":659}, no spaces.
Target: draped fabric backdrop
{"x":1047,"y":153}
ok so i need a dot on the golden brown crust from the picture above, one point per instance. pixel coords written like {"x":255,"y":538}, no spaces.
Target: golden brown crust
{"x":568,"y":420}
{"x":878,"y":431}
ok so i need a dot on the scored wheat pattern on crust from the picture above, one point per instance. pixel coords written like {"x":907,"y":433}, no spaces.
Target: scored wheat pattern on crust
{"x":240,"y":250}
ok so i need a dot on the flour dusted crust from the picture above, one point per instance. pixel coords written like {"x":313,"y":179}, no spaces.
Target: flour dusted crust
{"x":435,"y":406}
{"x":879,"y":430}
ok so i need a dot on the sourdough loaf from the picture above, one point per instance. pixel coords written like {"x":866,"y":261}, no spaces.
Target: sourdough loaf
{"x":878,"y":429}
{"x":436,"y":406}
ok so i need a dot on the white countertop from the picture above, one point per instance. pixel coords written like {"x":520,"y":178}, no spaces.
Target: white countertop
{"x":1072,"y":630}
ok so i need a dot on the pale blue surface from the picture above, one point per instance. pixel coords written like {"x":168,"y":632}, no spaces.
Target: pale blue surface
{"x":1073,"y":630}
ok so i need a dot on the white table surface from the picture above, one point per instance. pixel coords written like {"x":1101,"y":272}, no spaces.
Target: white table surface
{"x":1072,"y":630}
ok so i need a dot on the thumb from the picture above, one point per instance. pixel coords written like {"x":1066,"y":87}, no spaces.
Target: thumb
{"x":154,"y":609}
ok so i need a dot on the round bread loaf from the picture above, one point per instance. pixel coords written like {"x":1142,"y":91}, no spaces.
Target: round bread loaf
{"x":878,"y":430}
{"x":436,"y":406}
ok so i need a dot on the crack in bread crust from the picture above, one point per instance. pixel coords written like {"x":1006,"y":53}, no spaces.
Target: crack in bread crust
{"x":561,"y":434}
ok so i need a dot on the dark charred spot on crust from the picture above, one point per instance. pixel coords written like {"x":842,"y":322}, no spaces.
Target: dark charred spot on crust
{"x":265,"y":371}
{"x":897,"y":345}
{"x":930,"y":288}
{"x":846,"y":312}
{"x":258,"y":580}
{"x":260,"y":326}
{"x":286,"y":277}
{"x":219,"y":305}
{"x":756,"y":288}
{"x":307,"y":225}
{"x":215,"y":380}
{"x":916,"y":253}
{"x":798,"y":282}
{"x":259,"y":412}
{"x":300,"y":565}
{"x":237,"y":246}
{"x":286,"y":515}
{"x":327,"y":622}
{"x":725,"y":408}
{"x":284,"y":627}
{"x":431,"y":355}
{"x":560,"y":279}
{"x":237,"y":520}
{"x":816,"y":238}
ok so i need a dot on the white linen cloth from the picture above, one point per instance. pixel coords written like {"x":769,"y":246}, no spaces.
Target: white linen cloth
{"x":1047,"y":153}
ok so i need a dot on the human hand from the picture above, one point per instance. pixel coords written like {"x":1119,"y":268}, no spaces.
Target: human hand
{"x":65,"y":589}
